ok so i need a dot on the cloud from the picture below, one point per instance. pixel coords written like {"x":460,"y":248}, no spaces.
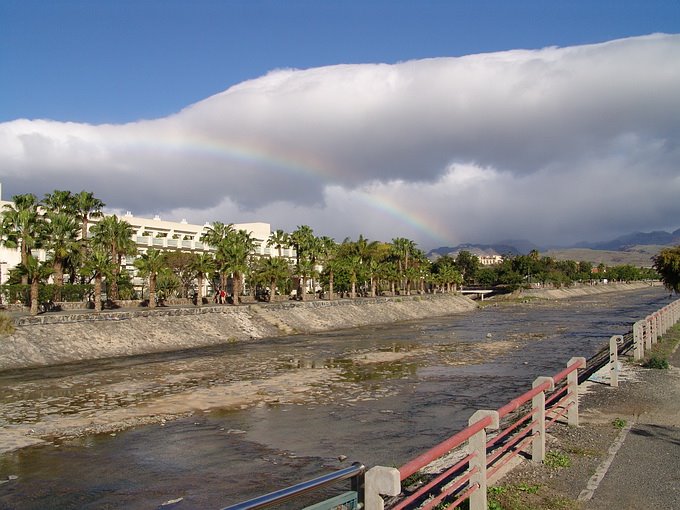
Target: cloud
{"x":555,"y":145}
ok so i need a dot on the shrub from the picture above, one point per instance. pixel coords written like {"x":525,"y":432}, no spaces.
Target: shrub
{"x":656,"y":362}
{"x":6,"y":324}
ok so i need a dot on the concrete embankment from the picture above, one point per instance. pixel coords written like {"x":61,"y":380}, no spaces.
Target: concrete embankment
{"x":584,"y":290}
{"x":51,"y":339}
{"x":63,"y":337}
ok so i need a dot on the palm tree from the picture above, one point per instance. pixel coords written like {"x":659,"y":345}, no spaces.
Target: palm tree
{"x":301,"y":239}
{"x":86,"y":206}
{"x":278,"y":239}
{"x":328,"y":253}
{"x":115,"y":236}
{"x":100,"y":265}
{"x":275,"y":270}
{"x":353,"y":264}
{"x":149,"y":265}
{"x":203,"y":265}
{"x":22,"y":226}
{"x":59,"y":202}
{"x":232,"y":256}
{"x":215,"y":236}
{"x":403,"y":248}
{"x":35,"y":272}
{"x":61,"y":232}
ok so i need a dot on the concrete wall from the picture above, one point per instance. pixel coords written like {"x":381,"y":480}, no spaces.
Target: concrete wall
{"x":60,"y":338}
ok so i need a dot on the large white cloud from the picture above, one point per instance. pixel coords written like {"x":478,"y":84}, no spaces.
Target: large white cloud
{"x":556,"y":145}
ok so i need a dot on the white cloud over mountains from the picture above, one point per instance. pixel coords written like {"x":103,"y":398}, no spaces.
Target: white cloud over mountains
{"x":554,"y":145}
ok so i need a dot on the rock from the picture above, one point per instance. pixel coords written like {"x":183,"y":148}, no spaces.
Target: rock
{"x":342,"y":457}
{"x":171,"y":502}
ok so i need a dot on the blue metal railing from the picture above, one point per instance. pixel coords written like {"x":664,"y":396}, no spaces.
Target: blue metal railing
{"x":355,"y":473}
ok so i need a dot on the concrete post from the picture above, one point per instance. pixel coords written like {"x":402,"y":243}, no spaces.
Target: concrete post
{"x":538,"y":423}
{"x":614,"y":360}
{"x":572,"y":391}
{"x":648,"y":333}
{"x":638,"y":340}
{"x":380,"y":480}
{"x":477,"y":448}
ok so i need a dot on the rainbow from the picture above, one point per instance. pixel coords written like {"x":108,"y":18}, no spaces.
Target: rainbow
{"x":300,"y":165}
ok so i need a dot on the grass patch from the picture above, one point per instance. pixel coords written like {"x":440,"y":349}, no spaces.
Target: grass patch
{"x":555,"y":459}
{"x":6,"y":325}
{"x":619,"y":423}
{"x":524,"y":496}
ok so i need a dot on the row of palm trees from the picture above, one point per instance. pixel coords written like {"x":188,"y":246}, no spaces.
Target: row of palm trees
{"x":59,"y":224}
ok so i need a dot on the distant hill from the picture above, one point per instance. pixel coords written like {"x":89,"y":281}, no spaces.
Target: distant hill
{"x":638,"y":256}
{"x":513,"y":247}
{"x":658,"y":238}
{"x":636,"y":249}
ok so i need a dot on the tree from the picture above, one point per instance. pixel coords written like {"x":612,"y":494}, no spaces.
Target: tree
{"x":22,"y":226}
{"x":274,"y":270}
{"x":301,"y":239}
{"x":667,"y":264}
{"x":36,"y":272}
{"x":467,"y":264}
{"x":181,"y":263}
{"x":403,"y":250}
{"x":115,"y":236}
{"x":149,"y":265}
{"x":328,"y":254}
{"x":203,"y":264}
{"x":215,"y":236}
{"x":278,"y":239}
{"x":100,"y":265}
{"x":86,"y":207}
{"x":232,"y":256}
{"x":61,"y":240}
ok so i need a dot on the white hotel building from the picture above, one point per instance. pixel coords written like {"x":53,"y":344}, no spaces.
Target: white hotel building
{"x":159,"y":234}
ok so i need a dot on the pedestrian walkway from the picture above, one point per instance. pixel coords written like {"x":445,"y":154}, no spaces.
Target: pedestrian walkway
{"x":624,"y":455}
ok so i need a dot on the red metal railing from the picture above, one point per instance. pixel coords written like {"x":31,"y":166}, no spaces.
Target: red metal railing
{"x":509,"y":442}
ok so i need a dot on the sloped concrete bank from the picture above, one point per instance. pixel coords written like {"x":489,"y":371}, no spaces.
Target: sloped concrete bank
{"x":65,"y":337}
{"x":585,"y":290}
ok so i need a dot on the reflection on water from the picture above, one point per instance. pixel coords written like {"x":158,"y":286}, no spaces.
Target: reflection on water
{"x":402,"y":388}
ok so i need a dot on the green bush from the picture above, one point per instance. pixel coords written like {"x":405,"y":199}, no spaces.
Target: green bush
{"x":656,"y":362}
{"x":13,"y":293}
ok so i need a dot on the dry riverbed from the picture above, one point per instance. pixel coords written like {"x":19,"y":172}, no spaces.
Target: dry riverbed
{"x":54,"y":409}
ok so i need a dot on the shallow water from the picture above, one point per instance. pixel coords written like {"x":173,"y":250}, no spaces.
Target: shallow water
{"x":377,"y":413}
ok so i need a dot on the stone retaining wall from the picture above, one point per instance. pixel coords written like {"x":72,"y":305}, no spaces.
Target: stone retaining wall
{"x":54,"y":338}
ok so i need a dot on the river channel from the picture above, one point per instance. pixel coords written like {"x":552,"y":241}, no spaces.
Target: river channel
{"x":258,"y":416}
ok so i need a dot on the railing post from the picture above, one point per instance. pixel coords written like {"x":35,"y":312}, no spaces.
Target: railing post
{"x":477,"y":448}
{"x":614,"y":360}
{"x":380,"y":480}
{"x":648,"y":333}
{"x":639,"y":340}
{"x":538,"y":424}
{"x":572,"y":391}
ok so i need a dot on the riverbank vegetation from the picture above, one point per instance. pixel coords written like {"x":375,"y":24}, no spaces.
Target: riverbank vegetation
{"x":89,"y":254}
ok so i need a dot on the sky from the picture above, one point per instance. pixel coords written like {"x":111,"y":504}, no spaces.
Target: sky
{"x":445,"y":122}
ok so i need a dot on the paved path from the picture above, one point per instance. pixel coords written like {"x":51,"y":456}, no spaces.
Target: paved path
{"x":634,"y":468}
{"x":645,"y":471}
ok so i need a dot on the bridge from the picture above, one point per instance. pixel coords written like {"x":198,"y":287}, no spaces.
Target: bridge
{"x":479,"y":292}
{"x":487,"y":446}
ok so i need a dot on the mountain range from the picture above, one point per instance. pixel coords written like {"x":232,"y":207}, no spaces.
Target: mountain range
{"x":522,"y":246}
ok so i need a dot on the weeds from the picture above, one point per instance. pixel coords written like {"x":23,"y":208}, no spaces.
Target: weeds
{"x":556,"y":460}
{"x":6,"y":325}
{"x":656,"y":361}
{"x":619,"y":423}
